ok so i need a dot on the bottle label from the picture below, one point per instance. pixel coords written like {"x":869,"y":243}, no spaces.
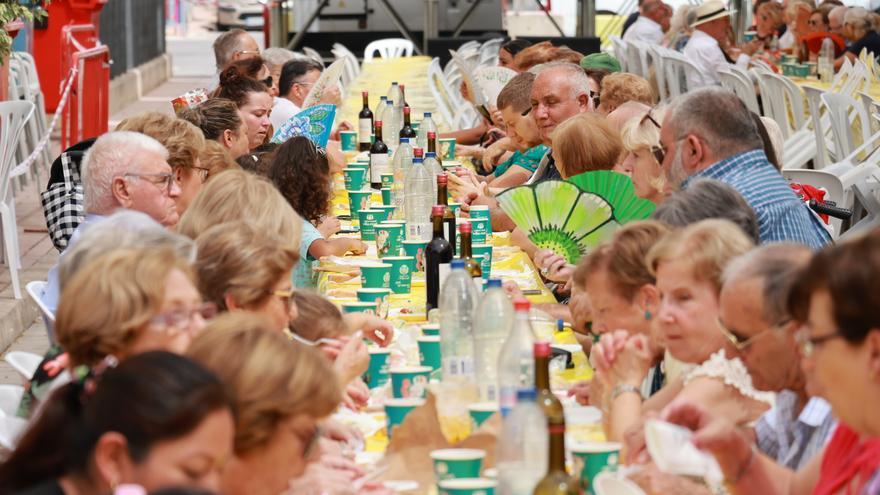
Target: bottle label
{"x":365,"y":128}
{"x":378,"y":166}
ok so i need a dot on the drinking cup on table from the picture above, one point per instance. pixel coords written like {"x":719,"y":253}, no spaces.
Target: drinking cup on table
{"x":457,"y":463}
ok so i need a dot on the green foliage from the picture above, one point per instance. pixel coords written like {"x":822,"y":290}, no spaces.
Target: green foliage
{"x":11,"y":10}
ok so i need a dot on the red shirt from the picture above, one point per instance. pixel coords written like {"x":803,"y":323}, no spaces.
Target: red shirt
{"x":848,"y":458}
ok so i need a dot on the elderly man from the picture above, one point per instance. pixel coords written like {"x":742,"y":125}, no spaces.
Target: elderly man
{"x":123,"y":170}
{"x":234,"y":45}
{"x":653,"y":21}
{"x":753,"y":317}
{"x":835,"y":20}
{"x":708,"y":43}
{"x":294,"y":83}
{"x":697,"y":143}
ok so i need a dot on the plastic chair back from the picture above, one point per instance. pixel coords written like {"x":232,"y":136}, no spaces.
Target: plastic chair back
{"x":389,"y":48}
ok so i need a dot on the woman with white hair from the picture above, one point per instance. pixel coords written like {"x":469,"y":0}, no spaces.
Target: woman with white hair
{"x":861,"y":33}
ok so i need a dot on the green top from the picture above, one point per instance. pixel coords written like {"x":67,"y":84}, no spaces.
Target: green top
{"x":528,"y":160}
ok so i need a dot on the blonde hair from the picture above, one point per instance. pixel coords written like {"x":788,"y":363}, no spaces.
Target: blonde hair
{"x":269,"y":377}
{"x":621,"y":87}
{"x":108,"y":302}
{"x":584,"y":143}
{"x":640,"y":133}
{"x":317,"y":317}
{"x":183,"y":140}
{"x":242,"y":261}
{"x":216,"y":159}
{"x":707,"y":246}
{"x":239,"y":195}
{"x":775,"y":11}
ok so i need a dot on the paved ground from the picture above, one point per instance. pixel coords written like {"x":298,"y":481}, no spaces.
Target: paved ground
{"x":193,"y":67}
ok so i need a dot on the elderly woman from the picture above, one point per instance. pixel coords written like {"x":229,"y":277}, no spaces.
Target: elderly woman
{"x":157,"y":420}
{"x":584,"y":143}
{"x":282,"y":393}
{"x":861,"y":33}
{"x":220,"y":121}
{"x":769,"y":22}
{"x":835,"y":297}
{"x":185,"y":144}
{"x":620,"y":88}
{"x":641,"y":142}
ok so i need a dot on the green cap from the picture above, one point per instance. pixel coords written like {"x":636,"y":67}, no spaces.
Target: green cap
{"x":600,"y":60}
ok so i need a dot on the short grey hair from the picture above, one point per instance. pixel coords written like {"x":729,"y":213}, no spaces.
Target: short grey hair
{"x":113,"y":155}
{"x":776,"y":267}
{"x":858,"y":16}
{"x":276,"y":57}
{"x":717,"y":116}
{"x":577,"y":78}
{"x":226,"y":45}
{"x":123,"y":229}
{"x":708,"y":198}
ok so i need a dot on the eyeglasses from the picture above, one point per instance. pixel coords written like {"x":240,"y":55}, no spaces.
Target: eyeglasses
{"x":658,"y":151}
{"x":742,"y":343}
{"x":181,"y":319}
{"x":246,"y":52}
{"x":163,"y":180}
{"x":312,"y":343}
{"x":203,"y":173}
{"x":284,"y":295}
{"x":304,"y":83}
{"x":808,"y":344}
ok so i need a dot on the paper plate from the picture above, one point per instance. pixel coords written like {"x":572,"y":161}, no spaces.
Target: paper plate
{"x":614,"y":484}
{"x":329,"y":78}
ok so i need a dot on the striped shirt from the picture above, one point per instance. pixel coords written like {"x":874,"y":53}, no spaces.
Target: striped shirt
{"x":782,"y":217}
{"x":792,"y":438}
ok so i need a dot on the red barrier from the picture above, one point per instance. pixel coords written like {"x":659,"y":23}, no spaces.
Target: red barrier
{"x":88,"y":108}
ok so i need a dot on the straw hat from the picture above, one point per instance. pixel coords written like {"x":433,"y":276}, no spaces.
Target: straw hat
{"x":711,"y":10}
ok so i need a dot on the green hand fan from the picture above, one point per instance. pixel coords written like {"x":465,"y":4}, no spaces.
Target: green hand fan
{"x":618,"y":190}
{"x":557,"y":215}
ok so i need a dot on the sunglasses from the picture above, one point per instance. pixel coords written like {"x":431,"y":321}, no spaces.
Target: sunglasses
{"x":658,"y":151}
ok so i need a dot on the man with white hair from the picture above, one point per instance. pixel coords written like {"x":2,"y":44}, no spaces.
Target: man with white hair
{"x":860,"y":34}
{"x":708,"y":43}
{"x":122,"y":170}
{"x":835,"y":20}
{"x":697,"y":143}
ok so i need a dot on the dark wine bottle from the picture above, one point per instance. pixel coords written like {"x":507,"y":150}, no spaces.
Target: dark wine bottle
{"x":432,"y":142}
{"x":557,"y":480}
{"x":407,"y":131}
{"x":448,"y":215}
{"x":403,"y":102}
{"x":438,"y":254}
{"x":379,"y":163}
{"x":365,"y":124}
{"x":470,"y":264}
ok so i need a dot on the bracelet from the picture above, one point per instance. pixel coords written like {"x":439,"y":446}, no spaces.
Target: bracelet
{"x":744,"y":469}
{"x":623,"y":388}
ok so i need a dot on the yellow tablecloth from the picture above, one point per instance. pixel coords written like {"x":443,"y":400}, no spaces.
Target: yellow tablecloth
{"x":873,"y":90}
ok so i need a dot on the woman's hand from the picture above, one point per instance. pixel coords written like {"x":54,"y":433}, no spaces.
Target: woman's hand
{"x":581,"y":392}
{"x":329,"y":226}
{"x":342,"y":433}
{"x":353,"y":359}
{"x":512,"y":289}
{"x":357,"y":395}
{"x":331,"y":475}
{"x":357,"y":247}
{"x":464,"y":185}
{"x":632,"y":362}
{"x":378,"y":330}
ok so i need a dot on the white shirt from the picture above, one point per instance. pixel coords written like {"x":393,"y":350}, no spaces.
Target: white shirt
{"x":704,"y":52}
{"x":644,"y":30}
{"x":282,"y":110}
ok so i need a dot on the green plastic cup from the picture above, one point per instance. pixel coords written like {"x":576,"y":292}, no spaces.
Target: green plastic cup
{"x":484,"y":250}
{"x":468,"y":486}
{"x":377,"y":372}
{"x":447,"y":148}
{"x":431,"y":330}
{"x":376,"y":276}
{"x":480,"y":211}
{"x":591,"y":458}
{"x":349,"y":140}
{"x":359,"y":307}
{"x":457,"y":463}
{"x":410,"y":381}
{"x":367,"y":219}
{"x":456,"y":209}
{"x":354,"y":178}
{"x":365,"y":166}
{"x":396,"y":411}
{"x":386,"y":196}
{"x":415,"y":125}
{"x":387,"y":210}
{"x":387,"y":180}
{"x":377,"y":296}
{"x":480,"y":412}
{"x":416,"y":249}
{"x":429,"y":352}
{"x":402,"y":268}
{"x":389,"y":237}
{"x":480,"y":230}
{"x":359,"y":200}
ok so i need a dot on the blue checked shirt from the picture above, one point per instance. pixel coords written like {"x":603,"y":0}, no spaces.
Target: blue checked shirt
{"x":782,"y":217}
{"x":791,"y":438}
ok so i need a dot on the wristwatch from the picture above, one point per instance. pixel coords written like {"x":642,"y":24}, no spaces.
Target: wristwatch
{"x":623,"y":388}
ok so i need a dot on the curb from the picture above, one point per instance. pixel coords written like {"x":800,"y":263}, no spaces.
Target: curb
{"x":129,"y":87}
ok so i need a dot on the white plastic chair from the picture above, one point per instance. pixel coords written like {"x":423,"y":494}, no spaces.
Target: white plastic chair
{"x":744,"y":90}
{"x":389,"y":48}
{"x":489,"y":52}
{"x":352,"y":67}
{"x":36,"y":97}
{"x":440,"y":90}
{"x":832,"y":184}
{"x":634,"y":59}
{"x":35,"y":290}
{"x":313,"y":54}
{"x":14,"y":115}
{"x":871,"y":107}
{"x":840,"y":108}
{"x":821,"y":125}
{"x":659,"y":74}
{"x":10,"y":396}
{"x":620,"y":52}
{"x":679,"y":72}
{"x":11,"y":430}
{"x":25,"y":363}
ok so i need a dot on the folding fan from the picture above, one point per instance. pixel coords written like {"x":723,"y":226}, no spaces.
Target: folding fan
{"x":329,"y":77}
{"x":314,"y":123}
{"x":491,"y":80}
{"x":557,"y":215}
{"x":619,"y":191}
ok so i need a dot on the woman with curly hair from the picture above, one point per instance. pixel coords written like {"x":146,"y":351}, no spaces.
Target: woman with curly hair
{"x":300,"y":171}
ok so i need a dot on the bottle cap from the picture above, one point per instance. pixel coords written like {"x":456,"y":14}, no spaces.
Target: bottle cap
{"x":383,"y":98}
{"x":494,"y":283}
{"x":406,"y":110}
{"x":441,"y":178}
{"x":402,"y":86}
{"x":417,"y":152}
{"x":404,"y":140}
{"x":427,"y":114}
{"x":560,"y":325}
{"x":465,"y":228}
{"x":521,"y":304}
{"x":542,"y":349}
{"x":364,"y":93}
{"x":456,"y":264}
{"x":437,"y":210}
{"x":389,"y":102}
{"x":432,"y":135}
{"x":394,"y":83}
{"x":377,"y":123}
{"x":526,"y":394}
{"x":431,"y":154}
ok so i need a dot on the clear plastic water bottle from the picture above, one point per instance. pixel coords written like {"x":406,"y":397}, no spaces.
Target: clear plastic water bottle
{"x":398,"y":120}
{"x":394,"y":93}
{"x":825,"y":64}
{"x":458,"y":298}
{"x":418,"y":199}
{"x":516,"y":362}
{"x":380,"y":109}
{"x":426,"y":126}
{"x":493,"y":322}
{"x":389,"y":125}
{"x":433,"y":165}
{"x":400,"y":165}
{"x":521,"y":456}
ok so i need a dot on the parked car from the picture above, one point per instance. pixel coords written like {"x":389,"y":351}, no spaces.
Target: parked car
{"x":245,"y":14}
